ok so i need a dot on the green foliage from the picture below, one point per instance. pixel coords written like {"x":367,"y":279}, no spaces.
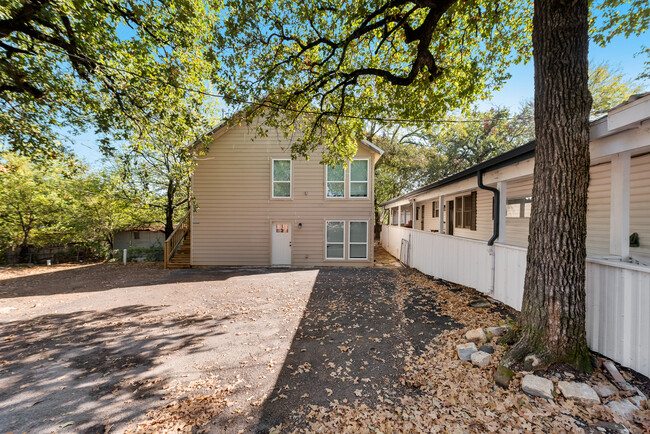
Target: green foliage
{"x":319,"y":70}
{"x":60,"y":202}
{"x":87,"y":65}
{"x":609,"y":87}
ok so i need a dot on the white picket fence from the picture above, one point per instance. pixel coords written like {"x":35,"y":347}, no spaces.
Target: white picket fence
{"x":617,"y":294}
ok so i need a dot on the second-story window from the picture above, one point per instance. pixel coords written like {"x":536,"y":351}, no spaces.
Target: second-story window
{"x":359,"y":178}
{"x":336,"y":181}
{"x":282,"y":178}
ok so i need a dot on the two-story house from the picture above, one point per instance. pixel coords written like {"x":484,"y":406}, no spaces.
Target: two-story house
{"x":258,"y":207}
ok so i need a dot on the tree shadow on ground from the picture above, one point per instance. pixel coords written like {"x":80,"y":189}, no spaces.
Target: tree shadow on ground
{"x":351,"y":344}
{"x":69,"y":370}
{"x":107,"y":276}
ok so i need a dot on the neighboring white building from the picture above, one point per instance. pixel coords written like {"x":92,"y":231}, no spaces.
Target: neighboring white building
{"x":472,"y":228}
{"x":139,"y":237}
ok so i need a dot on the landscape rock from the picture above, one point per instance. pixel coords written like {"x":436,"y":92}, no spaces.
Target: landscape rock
{"x":569,"y":375}
{"x":580,"y":391}
{"x":623,"y":408}
{"x":465,"y":351}
{"x":537,"y":386}
{"x":486,"y":349}
{"x":638,"y":400}
{"x":531,"y":362}
{"x":481,"y":359}
{"x":497,"y":331}
{"x":480,"y":303}
{"x":611,"y":368}
{"x":611,"y":427}
{"x":477,"y":336}
{"x":605,"y":389}
{"x":503,"y":376}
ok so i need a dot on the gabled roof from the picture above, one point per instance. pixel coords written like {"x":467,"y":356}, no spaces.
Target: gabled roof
{"x":374,"y":148}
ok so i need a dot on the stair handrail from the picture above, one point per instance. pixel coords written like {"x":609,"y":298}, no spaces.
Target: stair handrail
{"x":176,"y":237}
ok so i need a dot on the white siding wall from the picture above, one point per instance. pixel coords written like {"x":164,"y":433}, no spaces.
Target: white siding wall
{"x":640,"y":202}
{"x":617,"y":294}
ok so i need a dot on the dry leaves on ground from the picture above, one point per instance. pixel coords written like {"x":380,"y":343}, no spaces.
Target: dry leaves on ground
{"x":447,"y":394}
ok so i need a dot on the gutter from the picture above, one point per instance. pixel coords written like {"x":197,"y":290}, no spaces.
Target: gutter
{"x":495,"y":208}
{"x":495,"y":229}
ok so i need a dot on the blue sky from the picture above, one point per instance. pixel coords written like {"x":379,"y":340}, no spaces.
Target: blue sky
{"x":619,"y":53}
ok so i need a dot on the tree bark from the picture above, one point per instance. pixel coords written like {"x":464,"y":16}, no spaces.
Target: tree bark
{"x":552,"y":318}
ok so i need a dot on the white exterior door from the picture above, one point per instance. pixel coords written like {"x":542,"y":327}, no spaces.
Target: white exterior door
{"x":281,"y":243}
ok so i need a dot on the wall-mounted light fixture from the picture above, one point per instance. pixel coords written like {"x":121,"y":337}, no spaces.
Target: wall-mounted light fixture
{"x":299,"y":225}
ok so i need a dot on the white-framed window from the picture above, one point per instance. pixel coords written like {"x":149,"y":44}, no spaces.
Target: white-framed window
{"x":281,"y":177}
{"x":359,"y":174}
{"x":358,"y":245}
{"x":335,"y":239}
{"x":519,"y":207}
{"x":335,"y":181}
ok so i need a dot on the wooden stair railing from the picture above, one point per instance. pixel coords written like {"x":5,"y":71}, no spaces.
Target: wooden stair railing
{"x":176,"y":238}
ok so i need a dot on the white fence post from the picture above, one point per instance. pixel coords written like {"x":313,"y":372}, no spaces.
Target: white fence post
{"x":124,"y":259}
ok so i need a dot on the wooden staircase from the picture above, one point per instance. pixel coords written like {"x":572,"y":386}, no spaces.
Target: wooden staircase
{"x":181,"y":259}
{"x":178,"y":246}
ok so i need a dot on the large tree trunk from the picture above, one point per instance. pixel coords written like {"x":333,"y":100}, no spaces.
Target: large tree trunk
{"x":552,"y":319}
{"x":169,"y":209}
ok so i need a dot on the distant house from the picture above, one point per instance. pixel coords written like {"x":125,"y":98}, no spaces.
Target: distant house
{"x":258,"y":207}
{"x":144,"y":236}
{"x":472,"y":228}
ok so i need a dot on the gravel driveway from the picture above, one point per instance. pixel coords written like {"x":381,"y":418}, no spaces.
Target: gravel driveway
{"x":86,"y":349}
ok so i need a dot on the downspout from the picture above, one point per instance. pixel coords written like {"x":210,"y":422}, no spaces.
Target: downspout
{"x":495,"y":208}
{"x":495,"y":229}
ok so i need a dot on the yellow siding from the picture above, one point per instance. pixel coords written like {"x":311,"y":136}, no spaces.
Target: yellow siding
{"x":232,"y":185}
{"x":517,"y":228}
{"x":484,"y":223}
{"x":598,"y":209}
{"x":640,"y":202}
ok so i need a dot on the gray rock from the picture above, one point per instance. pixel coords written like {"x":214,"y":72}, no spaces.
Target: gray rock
{"x":465,"y":351}
{"x":481,"y":359}
{"x":638,"y":400}
{"x":503,"y":376}
{"x":611,"y":427}
{"x":537,"y":386}
{"x":569,"y":375}
{"x":486,"y":349}
{"x":477,"y":336}
{"x":531,"y":362}
{"x":497,"y":331}
{"x":623,"y":408}
{"x":580,"y":391}
{"x":480,"y":303}
{"x":611,"y":368}
{"x":605,"y":389}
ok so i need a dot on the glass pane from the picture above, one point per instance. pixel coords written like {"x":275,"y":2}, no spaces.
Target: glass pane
{"x":281,"y":170}
{"x":335,"y":251}
{"x":359,"y":170}
{"x":527,"y":207}
{"x":336,"y":173}
{"x":281,"y":189}
{"x":335,"y":232}
{"x":358,"y":189}
{"x":335,"y":189}
{"x":357,"y":251}
{"x":358,"y":232}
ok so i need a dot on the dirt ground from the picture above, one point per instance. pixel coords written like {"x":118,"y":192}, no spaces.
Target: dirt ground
{"x":116,"y":348}
{"x":86,"y":348}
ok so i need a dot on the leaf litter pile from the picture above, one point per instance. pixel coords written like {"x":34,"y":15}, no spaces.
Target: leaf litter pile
{"x":450,"y":395}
